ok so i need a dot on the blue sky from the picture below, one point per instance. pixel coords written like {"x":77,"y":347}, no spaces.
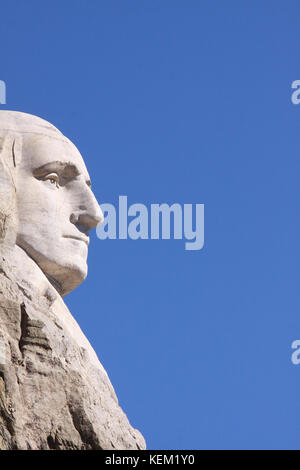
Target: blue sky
{"x":187,"y":102}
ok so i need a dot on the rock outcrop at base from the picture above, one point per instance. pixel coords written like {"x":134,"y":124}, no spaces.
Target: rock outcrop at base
{"x":54,"y":393}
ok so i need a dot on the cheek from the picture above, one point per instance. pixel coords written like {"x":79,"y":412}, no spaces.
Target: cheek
{"x":37,"y":201}
{"x":42,"y":211}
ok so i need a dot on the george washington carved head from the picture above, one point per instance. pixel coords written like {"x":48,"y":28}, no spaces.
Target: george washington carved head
{"x":47,"y":207}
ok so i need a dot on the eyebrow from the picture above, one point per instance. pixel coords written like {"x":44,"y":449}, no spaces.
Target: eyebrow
{"x":69,"y":169}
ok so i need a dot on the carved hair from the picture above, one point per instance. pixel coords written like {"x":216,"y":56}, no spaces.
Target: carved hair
{"x":12,"y":122}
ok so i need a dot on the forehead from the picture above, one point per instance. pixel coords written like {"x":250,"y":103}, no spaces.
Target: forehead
{"x":39,"y":150}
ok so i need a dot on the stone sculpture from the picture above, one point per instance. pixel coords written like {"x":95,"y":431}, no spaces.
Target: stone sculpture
{"x":54,"y":392}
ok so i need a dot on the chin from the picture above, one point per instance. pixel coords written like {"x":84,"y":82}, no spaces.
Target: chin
{"x":65,"y":273}
{"x":69,"y":276}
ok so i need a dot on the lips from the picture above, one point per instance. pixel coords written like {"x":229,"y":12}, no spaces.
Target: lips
{"x":83,"y":239}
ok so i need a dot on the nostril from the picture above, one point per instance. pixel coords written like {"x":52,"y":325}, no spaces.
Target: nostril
{"x":86,"y":220}
{"x":87,"y":215}
{"x":73,"y":219}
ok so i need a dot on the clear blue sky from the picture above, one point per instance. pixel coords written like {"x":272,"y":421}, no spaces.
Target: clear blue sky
{"x":188,"y":102}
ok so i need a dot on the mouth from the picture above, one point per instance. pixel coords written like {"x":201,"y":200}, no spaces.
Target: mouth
{"x":85,"y":240}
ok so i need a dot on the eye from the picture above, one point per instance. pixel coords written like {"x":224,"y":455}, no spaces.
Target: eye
{"x":52,"y":178}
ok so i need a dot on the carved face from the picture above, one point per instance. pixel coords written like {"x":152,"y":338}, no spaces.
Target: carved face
{"x":56,"y":209}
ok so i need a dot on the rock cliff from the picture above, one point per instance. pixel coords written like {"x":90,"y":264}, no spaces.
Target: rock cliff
{"x":54,"y":393}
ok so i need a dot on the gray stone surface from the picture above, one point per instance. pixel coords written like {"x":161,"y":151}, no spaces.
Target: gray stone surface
{"x":54,"y":392}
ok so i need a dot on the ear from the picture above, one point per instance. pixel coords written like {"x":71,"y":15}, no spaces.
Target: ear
{"x":9,"y":155}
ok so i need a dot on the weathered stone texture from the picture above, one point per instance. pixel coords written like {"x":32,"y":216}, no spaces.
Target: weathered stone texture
{"x":53,"y":392}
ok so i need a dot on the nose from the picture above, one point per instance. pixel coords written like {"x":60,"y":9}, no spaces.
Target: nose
{"x":88,"y":214}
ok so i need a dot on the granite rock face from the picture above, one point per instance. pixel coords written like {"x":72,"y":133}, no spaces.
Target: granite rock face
{"x":54,"y":393}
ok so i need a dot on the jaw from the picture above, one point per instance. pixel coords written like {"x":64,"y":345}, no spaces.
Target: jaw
{"x":64,"y":274}
{"x":65,"y":277}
